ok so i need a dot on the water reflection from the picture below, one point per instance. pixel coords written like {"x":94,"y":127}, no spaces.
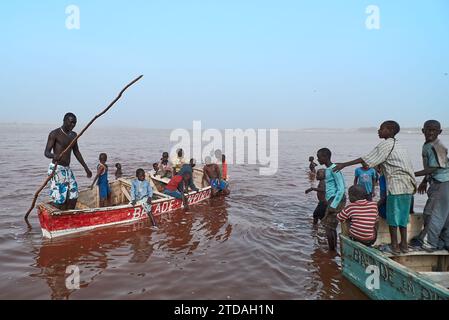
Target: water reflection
{"x":328,"y":269}
{"x":122,"y":246}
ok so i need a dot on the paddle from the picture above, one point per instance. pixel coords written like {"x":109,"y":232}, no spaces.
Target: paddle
{"x":69,"y":147}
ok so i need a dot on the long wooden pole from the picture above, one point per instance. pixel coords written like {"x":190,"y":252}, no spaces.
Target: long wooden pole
{"x":70,"y":146}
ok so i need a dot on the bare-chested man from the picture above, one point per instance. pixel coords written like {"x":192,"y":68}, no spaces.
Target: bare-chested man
{"x":212,"y":176}
{"x":64,"y":188}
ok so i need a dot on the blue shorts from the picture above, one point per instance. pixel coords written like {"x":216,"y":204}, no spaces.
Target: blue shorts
{"x":398,"y":210}
{"x":219,"y":184}
{"x":175,"y":194}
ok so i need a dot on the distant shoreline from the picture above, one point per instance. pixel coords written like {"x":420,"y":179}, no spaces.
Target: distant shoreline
{"x":410,"y":130}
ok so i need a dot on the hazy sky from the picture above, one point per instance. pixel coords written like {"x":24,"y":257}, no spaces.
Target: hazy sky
{"x":267,"y":64}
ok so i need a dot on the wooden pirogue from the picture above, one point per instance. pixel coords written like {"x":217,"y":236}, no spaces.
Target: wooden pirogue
{"x":417,"y":275}
{"x":88,"y":216}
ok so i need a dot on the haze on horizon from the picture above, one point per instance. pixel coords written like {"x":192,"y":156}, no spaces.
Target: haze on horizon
{"x":257,"y":64}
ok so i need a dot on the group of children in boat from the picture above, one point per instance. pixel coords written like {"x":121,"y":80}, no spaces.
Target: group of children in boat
{"x":179,"y":173}
{"x":397,"y":184}
{"x":64,"y":191}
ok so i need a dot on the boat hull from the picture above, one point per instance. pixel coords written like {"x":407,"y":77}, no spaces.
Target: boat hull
{"x":71,"y":222}
{"x":382,"y":278}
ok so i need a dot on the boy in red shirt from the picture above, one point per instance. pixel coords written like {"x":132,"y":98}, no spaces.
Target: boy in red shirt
{"x":175,"y":188}
{"x":362,"y":215}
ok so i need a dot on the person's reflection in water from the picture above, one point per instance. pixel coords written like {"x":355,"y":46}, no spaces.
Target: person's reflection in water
{"x":184,"y":232}
{"x":90,"y":253}
{"x":214,"y":221}
{"x":141,"y":243}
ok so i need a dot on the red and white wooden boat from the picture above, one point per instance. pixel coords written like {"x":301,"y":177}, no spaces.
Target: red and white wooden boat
{"x":87,"y":215}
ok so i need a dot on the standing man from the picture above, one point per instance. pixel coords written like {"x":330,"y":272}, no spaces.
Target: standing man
{"x":64,"y":188}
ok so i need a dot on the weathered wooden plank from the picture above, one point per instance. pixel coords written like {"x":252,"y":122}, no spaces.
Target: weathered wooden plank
{"x":126,"y":193}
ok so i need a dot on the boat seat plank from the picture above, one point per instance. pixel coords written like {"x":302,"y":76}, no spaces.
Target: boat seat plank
{"x":442,"y":278}
{"x":160,"y":194}
{"x":126,"y":193}
{"x":125,"y":182}
{"x":82,"y":206}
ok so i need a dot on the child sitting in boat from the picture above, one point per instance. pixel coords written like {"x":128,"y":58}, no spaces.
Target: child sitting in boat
{"x":118,"y":171}
{"x":103,"y":182}
{"x":178,"y":161}
{"x":320,"y":210}
{"x":335,"y":196}
{"x":165,"y":169}
{"x":141,"y":191}
{"x":362,"y":216}
{"x":155,"y":169}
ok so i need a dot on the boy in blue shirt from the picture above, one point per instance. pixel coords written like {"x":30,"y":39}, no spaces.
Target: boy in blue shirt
{"x":436,"y":173}
{"x":366,"y":177}
{"x":335,"y":196}
{"x":141,"y":191}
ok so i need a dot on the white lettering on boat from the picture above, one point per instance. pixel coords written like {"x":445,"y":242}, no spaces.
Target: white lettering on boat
{"x":137,"y":212}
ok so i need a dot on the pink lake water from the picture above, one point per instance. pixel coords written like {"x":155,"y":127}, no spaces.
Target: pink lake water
{"x":258,"y":243}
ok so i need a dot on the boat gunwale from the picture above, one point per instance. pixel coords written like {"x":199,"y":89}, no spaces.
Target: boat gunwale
{"x":53,"y":211}
{"x":382,"y":257}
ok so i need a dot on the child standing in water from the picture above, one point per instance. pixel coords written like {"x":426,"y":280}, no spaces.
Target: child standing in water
{"x":335,"y":196}
{"x":320,"y":210}
{"x":312,"y":164}
{"x":103,"y":182}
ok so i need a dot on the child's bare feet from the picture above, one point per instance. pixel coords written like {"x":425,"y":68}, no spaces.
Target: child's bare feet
{"x":404,"y":248}
{"x":395,"y":249}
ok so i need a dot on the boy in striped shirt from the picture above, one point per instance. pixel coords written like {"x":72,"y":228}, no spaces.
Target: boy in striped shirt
{"x":395,"y":163}
{"x":362,"y":215}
